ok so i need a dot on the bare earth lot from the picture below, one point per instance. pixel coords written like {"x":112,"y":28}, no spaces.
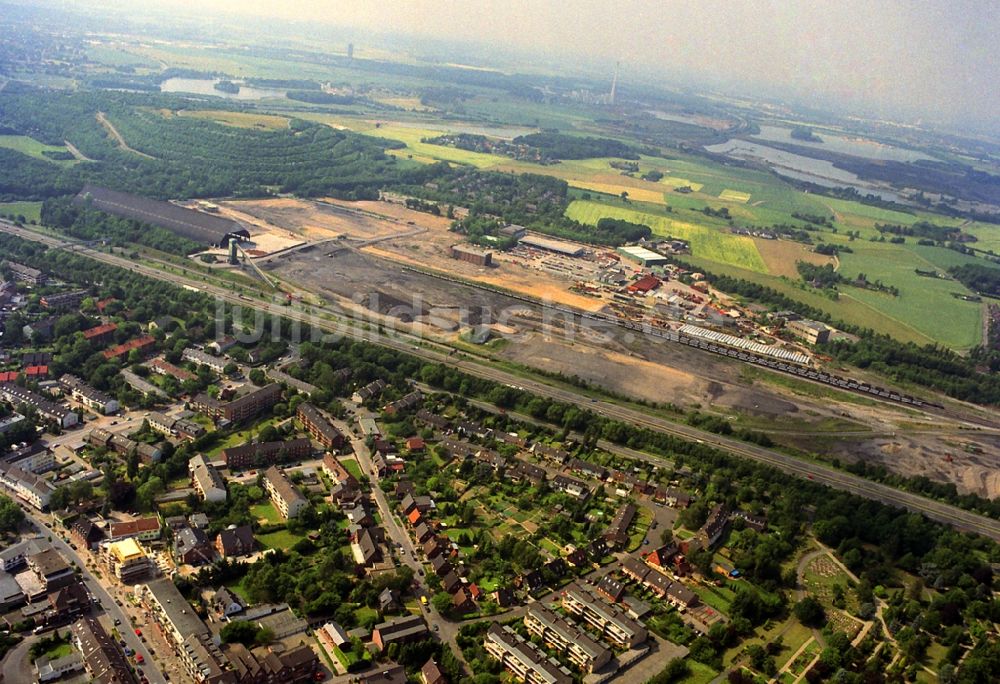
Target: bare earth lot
{"x":379,"y":280}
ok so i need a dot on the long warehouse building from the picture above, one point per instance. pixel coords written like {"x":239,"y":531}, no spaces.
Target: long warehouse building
{"x":193,"y":225}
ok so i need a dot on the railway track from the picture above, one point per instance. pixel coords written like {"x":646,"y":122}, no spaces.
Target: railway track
{"x":410,"y":344}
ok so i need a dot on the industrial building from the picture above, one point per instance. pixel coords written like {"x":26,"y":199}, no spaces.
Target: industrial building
{"x":812,"y":332}
{"x":472,"y":255}
{"x":550,"y":245}
{"x":197,"y":226}
{"x":642,"y":256}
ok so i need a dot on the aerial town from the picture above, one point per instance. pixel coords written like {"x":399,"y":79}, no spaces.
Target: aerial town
{"x":523,"y":343}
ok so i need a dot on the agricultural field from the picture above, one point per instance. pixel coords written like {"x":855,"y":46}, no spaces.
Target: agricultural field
{"x":706,"y":243}
{"x":236,"y":119}
{"x":955,"y":323}
{"x":849,"y":310}
{"x":31,"y":211}
{"x":780,"y":256}
{"x":118,"y":57}
{"x":33,"y":148}
{"x":735,"y":196}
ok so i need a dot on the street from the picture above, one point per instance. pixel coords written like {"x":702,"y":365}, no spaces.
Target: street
{"x":107,"y":602}
{"x":447,"y":630}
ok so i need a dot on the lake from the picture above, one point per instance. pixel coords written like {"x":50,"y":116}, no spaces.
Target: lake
{"x":858,"y":147}
{"x":206,"y":86}
{"x":799,"y":167}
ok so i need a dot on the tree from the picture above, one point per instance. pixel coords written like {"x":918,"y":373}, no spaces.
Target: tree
{"x":809,"y":612}
{"x":442,"y":602}
{"x":11,"y":515}
{"x":243,"y":632}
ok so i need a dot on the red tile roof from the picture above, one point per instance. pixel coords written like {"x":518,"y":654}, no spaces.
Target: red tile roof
{"x":8,"y":376}
{"x":35,"y":371}
{"x":122,"y":349}
{"x":99,"y":330}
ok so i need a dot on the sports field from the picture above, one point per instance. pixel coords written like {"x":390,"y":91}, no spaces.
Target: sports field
{"x":708,"y":243}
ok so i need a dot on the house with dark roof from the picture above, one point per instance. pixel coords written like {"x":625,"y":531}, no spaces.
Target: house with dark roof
{"x":423,"y":532}
{"x":451,"y":582}
{"x":531,"y":581}
{"x":504,"y":596}
{"x":617,"y":532}
{"x":86,"y":532}
{"x":441,"y":565}
{"x":400,"y":630}
{"x":191,"y":547}
{"x":235,"y":542}
{"x":461,"y":602}
{"x":611,"y":589}
{"x":226,"y":603}
{"x":430,"y":673}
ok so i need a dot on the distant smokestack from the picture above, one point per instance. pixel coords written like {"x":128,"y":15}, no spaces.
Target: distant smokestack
{"x":614,"y":84}
{"x":350,"y":51}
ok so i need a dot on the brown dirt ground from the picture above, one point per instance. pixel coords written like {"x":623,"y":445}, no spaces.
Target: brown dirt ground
{"x":396,"y":211}
{"x":315,"y":221}
{"x":780,"y":256}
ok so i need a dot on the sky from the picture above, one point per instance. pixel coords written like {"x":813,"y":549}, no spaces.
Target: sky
{"x":938,"y":59}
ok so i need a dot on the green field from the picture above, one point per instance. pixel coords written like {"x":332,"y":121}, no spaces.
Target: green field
{"x":700,"y":673}
{"x":33,"y":148}
{"x":282,"y":539}
{"x":352,"y":466}
{"x":32,"y":211}
{"x":852,"y":311}
{"x":925,"y":304}
{"x":706,"y":243}
{"x":266,"y":511}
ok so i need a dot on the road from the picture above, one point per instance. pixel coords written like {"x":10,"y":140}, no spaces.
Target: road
{"x":110,"y":128}
{"x":415,"y":346}
{"x":99,"y":592}
{"x":16,"y":667}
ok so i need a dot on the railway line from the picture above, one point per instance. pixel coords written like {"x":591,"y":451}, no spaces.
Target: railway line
{"x":434,"y":352}
{"x":784,"y":366}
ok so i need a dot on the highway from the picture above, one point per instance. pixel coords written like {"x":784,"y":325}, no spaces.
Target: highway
{"x":415,"y":346}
